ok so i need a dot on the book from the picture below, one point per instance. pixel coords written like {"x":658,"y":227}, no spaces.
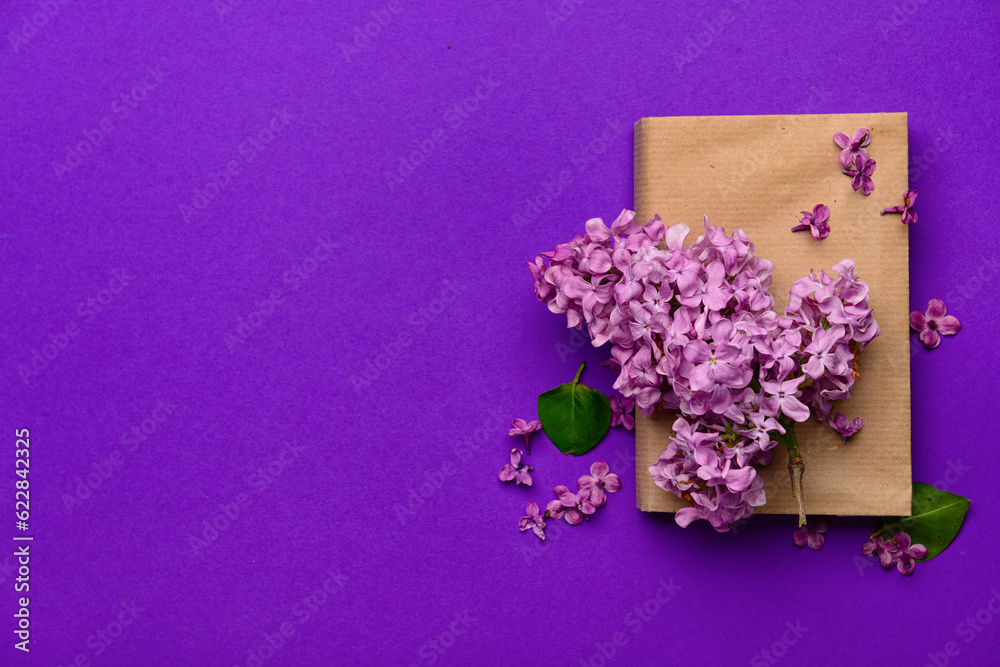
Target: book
{"x":759,"y":173}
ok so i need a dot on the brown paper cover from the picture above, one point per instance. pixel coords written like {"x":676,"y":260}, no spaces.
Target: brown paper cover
{"x":758,"y":173}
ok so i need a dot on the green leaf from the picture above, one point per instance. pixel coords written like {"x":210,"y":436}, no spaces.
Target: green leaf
{"x":937,"y":516}
{"x":575,"y":417}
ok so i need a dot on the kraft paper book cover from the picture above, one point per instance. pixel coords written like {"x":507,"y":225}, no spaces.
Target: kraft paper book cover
{"x":758,"y":173}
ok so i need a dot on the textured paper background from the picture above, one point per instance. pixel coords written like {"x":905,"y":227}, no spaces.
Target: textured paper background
{"x":505,"y":174}
{"x":759,"y":173}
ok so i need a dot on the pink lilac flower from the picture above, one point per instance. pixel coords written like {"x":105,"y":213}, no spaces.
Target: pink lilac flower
{"x":934,"y":321}
{"x":899,"y":551}
{"x":883,"y":549}
{"x":515,"y":470}
{"x":621,"y":412}
{"x":783,"y":398}
{"x":525,"y":428}
{"x":717,"y":470}
{"x":907,"y":553}
{"x":846,"y":429}
{"x":711,"y":367}
{"x":815,"y":222}
{"x":861,"y":172}
{"x":601,"y":479}
{"x":909,"y":215}
{"x":811,"y":534}
{"x":574,"y":507}
{"x":692,"y":328}
{"x":827,"y":353}
{"x":853,"y":147}
{"x":533,"y":521}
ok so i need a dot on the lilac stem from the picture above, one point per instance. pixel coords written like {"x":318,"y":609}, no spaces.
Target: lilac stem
{"x":796,"y":466}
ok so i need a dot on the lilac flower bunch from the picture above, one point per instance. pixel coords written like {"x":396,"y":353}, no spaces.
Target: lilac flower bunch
{"x":693,"y":330}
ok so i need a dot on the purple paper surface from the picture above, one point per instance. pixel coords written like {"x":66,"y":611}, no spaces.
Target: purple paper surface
{"x":266,"y":316}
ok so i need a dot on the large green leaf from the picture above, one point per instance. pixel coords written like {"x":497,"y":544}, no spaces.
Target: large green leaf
{"x":937,"y":516}
{"x":575,"y":417}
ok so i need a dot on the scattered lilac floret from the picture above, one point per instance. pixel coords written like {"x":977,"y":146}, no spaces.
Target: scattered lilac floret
{"x":908,"y":553}
{"x":533,"y":521}
{"x":852,"y":146}
{"x":815,"y":222}
{"x":909,"y":215}
{"x":882,"y":549}
{"x":861,"y":172}
{"x":846,"y":429}
{"x":811,"y":534}
{"x":933,"y":323}
{"x":515,"y":470}
{"x":600,"y":480}
{"x":525,"y":428}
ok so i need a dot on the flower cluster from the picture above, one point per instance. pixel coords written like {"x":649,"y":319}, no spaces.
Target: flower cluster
{"x":693,"y":330}
{"x":591,"y":494}
{"x":898,"y":551}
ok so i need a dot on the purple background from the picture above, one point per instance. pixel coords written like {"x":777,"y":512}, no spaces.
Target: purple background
{"x":427,"y":284}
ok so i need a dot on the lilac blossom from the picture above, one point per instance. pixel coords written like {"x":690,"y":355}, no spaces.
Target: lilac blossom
{"x":533,"y":521}
{"x":810,"y":534}
{"x":710,"y":366}
{"x":907,"y":553}
{"x":515,"y":470}
{"x":909,"y":215}
{"x":882,"y":549}
{"x":692,"y":328}
{"x":853,"y":147}
{"x":525,"y":428}
{"x":827,"y":353}
{"x":846,"y":429}
{"x":815,"y":222}
{"x":600,"y":480}
{"x":574,"y":507}
{"x":933,"y":323}
{"x":621,"y":412}
{"x":861,"y":172}
{"x":717,"y":470}
{"x":783,"y":398}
